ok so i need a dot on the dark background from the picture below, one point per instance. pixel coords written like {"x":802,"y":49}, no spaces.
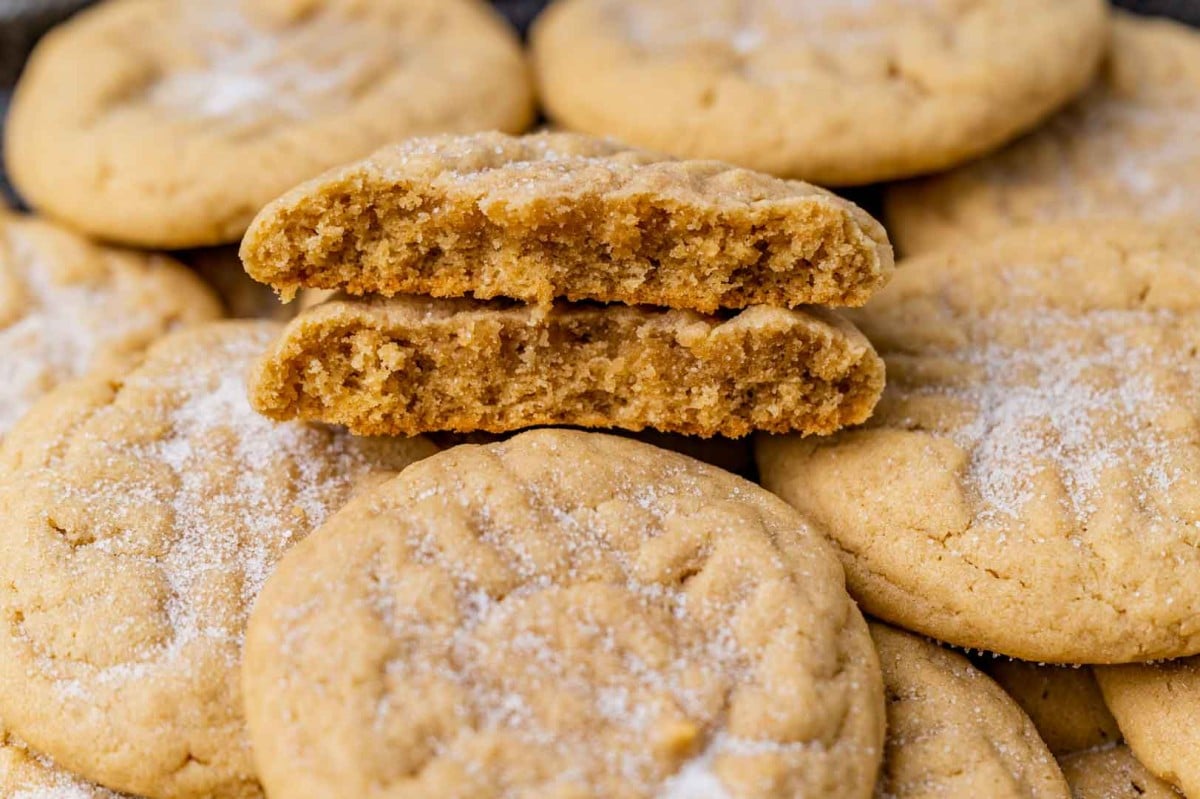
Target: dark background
{"x":19,"y":31}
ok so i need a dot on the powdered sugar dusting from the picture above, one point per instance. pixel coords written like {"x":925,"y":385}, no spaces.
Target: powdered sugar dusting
{"x":30,"y":775}
{"x":1082,"y":396}
{"x":58,"y":328}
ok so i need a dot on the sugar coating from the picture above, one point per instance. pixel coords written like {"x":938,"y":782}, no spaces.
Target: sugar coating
{"x":144,"y":514}
{"x":68,"y":307}
{"x":562,"y":614}
{"x":1127,"y":149}
{"x":25,"y":774}
{"x":1034,"y":451}
{"x":954,"y":732}
{"x":1113,"y":772}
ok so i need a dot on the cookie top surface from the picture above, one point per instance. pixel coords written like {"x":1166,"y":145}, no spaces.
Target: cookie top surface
{"x":834,"y":92}
{"x":550,"y":215}
{"x":182,"y":119}
{"x":1034,"y":451}
{"x":563,"y":614}
{"x":1064,"y":703}
{"x":1127,"y":149}
{"x":1112,"y":772}
{"x":1156,"y":706}
{"x":952,"y":731}
{"x":69,"y":307}
{"x":25,"y":774}
{"x":142,"y":512}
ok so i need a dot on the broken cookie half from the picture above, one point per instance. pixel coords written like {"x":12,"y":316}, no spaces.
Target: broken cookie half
{"x":406,"y":365}
{"x":561,"y":215}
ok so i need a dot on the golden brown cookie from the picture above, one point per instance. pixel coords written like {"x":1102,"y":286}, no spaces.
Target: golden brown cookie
{"x":563,"y":215}
{"x":1112,"y":772}
{"x":1064,"y":703}
{"x":69,"y":307}
{"x":1158,"y":708}
{"x":952,"y":732}
{"x":170,"y":123}
{"x":25,"y":774}
{"x":1030,"y":481}
{"x":1128,"y":149}
{"x":242,"y":297}
{"x":830,"y":91}
{"x":563,"y":614}
{"x":141,"y":513}
{"x":406,"y":365}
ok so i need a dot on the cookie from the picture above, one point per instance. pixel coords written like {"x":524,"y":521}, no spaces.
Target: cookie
{"x":563,"y":614}
{"x":243,"y":298}
{"x":952,"y":732}
{"x":69,"y":307}
{"x":1128,"y":149}
{"x":563,"y":215}
{"x":834,"y":92}
{"x":1034,"y":457}
{"x":406,"y":365}
{"x":28,"y":775}
{"x":1156,"y":705}
{"x":141,"y":513}
{"x":1064,"y":703}
{"x":171,"y":123}
{"x":1112,"y":772}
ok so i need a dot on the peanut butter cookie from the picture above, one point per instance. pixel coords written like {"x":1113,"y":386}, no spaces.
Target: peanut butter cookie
{"x":1112,"y":772}
{"x":1129,"y":149}
{"x":25,"y":774}
{"x":1035,"y":456}
{"x":952,"y":732}
{"x":563,"y":614}
{"x":170,"y":123}
{"x":1064,"y":703}
{"x":831,"y":91}
{"x":563,"y":215}
{"x":141,"y":513}
{"x":69,"y":307}
{"x":407,"y":365}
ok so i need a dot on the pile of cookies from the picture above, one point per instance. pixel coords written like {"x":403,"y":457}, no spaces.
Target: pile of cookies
{"x":252,"y":557}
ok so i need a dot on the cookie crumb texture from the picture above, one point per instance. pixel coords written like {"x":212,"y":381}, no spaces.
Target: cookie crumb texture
{"x":141,"y":514}
{"x":832,"y":91}
{"x":563,"y":614}
{"x":1128,"y":149}
{"x":1035,"y":453}
{"x":562,"y":215}
{"x":409,"y":365}
{"x":170,"y":123}
{"x":952,"y":732}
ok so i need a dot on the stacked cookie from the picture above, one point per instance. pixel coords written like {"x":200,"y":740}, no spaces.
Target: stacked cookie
{"x":613,"y":265}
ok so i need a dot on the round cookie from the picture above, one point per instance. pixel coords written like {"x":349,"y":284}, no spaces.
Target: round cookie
{"x":141,"y":513}
{"x":1128,"y":149}
{"x":169,"y":123}
{"x":28,"y":775}
{"x":1158,"y":708}
{"x":953,"y":732}
{"x":833,"y":92}
{"x":1064,"y":703}
{"x":1112,"y":772}
{"x":1034,"y":456}
{"x":69,"y":307}
{"x":563,"y":614}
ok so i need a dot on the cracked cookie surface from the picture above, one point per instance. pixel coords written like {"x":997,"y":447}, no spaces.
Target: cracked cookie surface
{"x":952,"y":731}
{"x":183,"y":119}
{"x":69,"y":307}
{"x":410,"y":365}
{"x":834,"y":92}
{"x":1035,"y":453}
{"x":565,"y":215}
{"x":142,"y":512}
{"x":563,"y":614}
{"x":1127,"y":149}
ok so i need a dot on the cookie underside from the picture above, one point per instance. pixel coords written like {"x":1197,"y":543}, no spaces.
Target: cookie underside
{"x":408,"y":237}
{"x":391,"y":368}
